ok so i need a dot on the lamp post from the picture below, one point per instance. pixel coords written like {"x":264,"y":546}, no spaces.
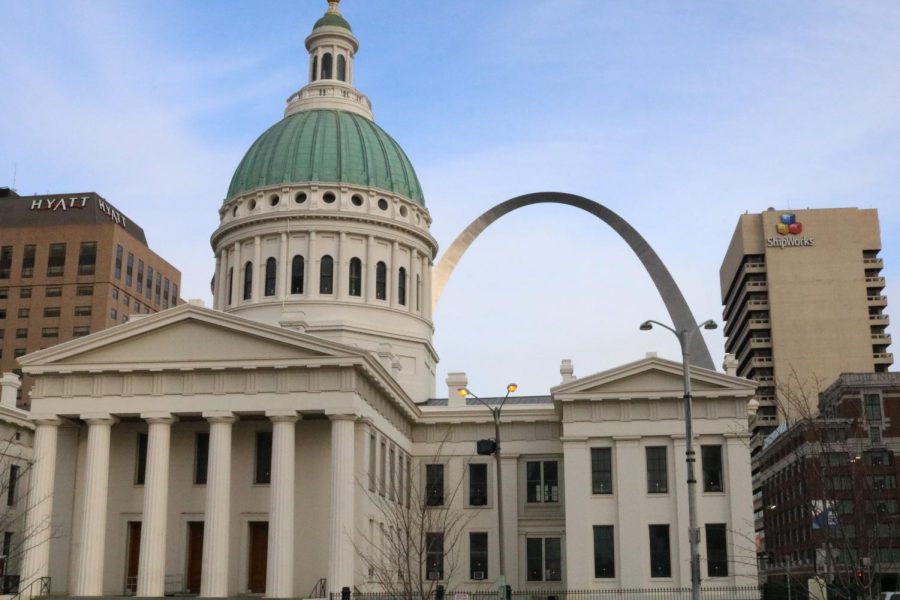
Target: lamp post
{"x":684,"y":338}
{"x":495,"y":413}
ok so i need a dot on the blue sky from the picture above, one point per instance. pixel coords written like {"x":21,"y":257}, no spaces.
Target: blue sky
{"x":677,"y":115}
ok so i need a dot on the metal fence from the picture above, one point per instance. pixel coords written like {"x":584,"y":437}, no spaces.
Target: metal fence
{"x":662,"y":593}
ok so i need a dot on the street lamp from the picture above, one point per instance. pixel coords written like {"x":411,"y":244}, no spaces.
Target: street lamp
{"x":495,"y":450}
{"x":684,"y":339}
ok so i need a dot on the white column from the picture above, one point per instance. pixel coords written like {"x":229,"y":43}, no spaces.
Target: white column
{"x":92,"y":537}
{"x":632,"y":532}
{"x":152,"y":565}
{"x":216,"y":529}
{"x":311,"y":265}
{"x":217,"y":288}
{"x":340,"y":571}
{"x":426,"y":286}
{"x":579,"y":534}
{"x":39,"y":511}
{"x":236,"y":291}
{"x":411,"y":290}
{"x":369,"y":267}
{"x":393,"y":275}
{"x":283,"y":277}
{"x":259,"y":269}
{"x":340,"y":285}
{"x":280,"y":574}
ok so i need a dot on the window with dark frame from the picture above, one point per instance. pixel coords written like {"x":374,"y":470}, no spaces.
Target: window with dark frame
{"x":297,"y":275}
{"x":660,"y":555}
{"x":872,"y":408}
{"x":129,"y":269}
{"x":56,"y":260}
{"x":401,"y":286}
{"x":711,"y":458}
{"x":382,"y":481}
{"x":543,"y":559}
{"x":248,"y":280}
{"x":373,"y":461}
{"x":120,"y":252}
{"x":716,"y":550}
{"x":87,"y":258}
{"x":25,"y":292}
{"x":478,"y":475}
{"x":53,"y":292}
{"x":84,"y":290}
{"x":271,"y":268}
{"x":201,"y":457}
{"x":434,"y":485}
{"x":355,"y":282}
{"x":140,"y":277}
{"x":478,"y":555}
{"x":230,"y":284}
{"x":148,"y":293}
{"x":81,"y":331}
{"x":380,"y":281}
{"x":11,"y":485}
{"x":542,"y":481}
{"x":326,"y":275}
{"x":604,"y":552}
{"x":657,"y":470}
{"x":6,"y":257}
{"x":165,"y":303}
{"x":263,"y":471}
{"x":28,"y":260}
{"x":158,"y":291}
{"x":601,"y":471}
{"x":140,"y":465}
{"x":434,"y":556}
{"x":52,"y":311}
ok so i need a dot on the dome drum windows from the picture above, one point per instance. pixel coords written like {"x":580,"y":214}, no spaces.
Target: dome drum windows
{"x":355,"y":288}
{"x":341,"y":68}
{"x":326,"y":275}
{"x":401,"y":286}
{"x":315,"y":68}
{"x":357,"y":200}
{"x":328,"y":198}
{"x":383,"y":204}
{"x":271,"y":269}
{"x":248,"y":280}
{"x":300,"y":197}
{"x":381,"y":281}
{"x":327,"y":65}
{"x":297,"y":275}
{"x":274,"y":199}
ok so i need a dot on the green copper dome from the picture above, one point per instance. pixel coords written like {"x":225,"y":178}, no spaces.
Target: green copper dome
{"x":327,"y":146}
{"x":333,"y":20}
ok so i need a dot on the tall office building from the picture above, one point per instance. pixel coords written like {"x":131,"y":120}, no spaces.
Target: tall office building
{"x":803,"y":303}
{"x":72,"y":264}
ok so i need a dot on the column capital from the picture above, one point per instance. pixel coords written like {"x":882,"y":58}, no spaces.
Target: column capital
{"x":46,"y":420}
{"x":343,"y":417}
{"x":220,"y":416}
{"x":165,"y":418}
{"x":283,"y":416}
{"x":98,"y":419}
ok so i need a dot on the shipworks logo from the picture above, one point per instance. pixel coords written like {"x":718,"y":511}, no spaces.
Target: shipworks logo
{"x":789,"y":226}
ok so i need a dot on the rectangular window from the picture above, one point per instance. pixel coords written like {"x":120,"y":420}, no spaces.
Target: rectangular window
{"x":126,"y":300}
{"x":716,"y":550}
{"x":201,"y":457}
{"x":393,"y":469}
{"x":25,"y":292}
{"x":113,"y":314}
{"x":11,"y":485}
{"x":543,"y":559}
{"x":84,"y":290}
{"x":28,"y":261}
{"x":140,"y":277}
{"x":21,"y":333}
{"x":878,"y":458}
{"x":657,"y":470}
{"x":158,"y":294}
{"x":872,"y":404}
{"x":7,"y":543}
{"x":82,"y":311}
{"x":129,"y":269}
{"x":542,"y":481}
{"x":604,"y":552}
{"x":382,"y":481}
{"x":2,"y":313}
{"x":373,"y":461}
{"x":434,"y":485}
{"x":434,"y":556}
{"x":50,"y":332}
{"x":711,"y":457}
{"x":6,"y":256}
{"x":53,"y":292}
{"x":17,"y":352}
{"x":120,"y":251}
{"x":601,"y":471}
{"x":140,"y":466}
{"x":166,"y":293}
{"x":263,"y":457}
{"x":660,"y":557}
{"x":478,"y":556}
{"x":478,"y":484}
{"x":149,"y":291}
{"x":174,"y":294}
{"x":56,"y":260}
{"x":4,"y":293}
{"x":881,"y":482}
{"x":81,"y":331}
{"x":51,"y":311}
{"x":87,"y":258}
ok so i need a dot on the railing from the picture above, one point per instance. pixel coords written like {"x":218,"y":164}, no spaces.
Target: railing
{"x":749,"y":592}
{"x":40,"y":587}
{"x":320,"y":590}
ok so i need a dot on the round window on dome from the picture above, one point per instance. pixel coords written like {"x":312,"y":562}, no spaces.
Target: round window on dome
{"x":274,"y":200}
{"x":300,"y":198}
{"x":328,"y":198}
{"x":252,"y":205}
{"x":382,"y":204}
{"x":403,"y":211}
{"x":357,"y":200}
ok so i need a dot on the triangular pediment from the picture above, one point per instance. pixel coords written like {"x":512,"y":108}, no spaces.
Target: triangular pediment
{"x":651,"y":378}
{"x":188,"y":337}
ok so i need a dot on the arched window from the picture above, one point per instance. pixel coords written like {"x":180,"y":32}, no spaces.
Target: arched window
{"x":315,"y":68}
{"x":270,"y":277}
{"x":355,"y":277}
{"x":230,"y":284}
{"x":326,"y":276}
{"x":418,"y":292}
{"x":342,"y":68}
{"x":326,"y":65}
{"x":380,"y":281}
{"x":297,"y":275}
{"x":248,"y":280}
{"x":401,"y":286}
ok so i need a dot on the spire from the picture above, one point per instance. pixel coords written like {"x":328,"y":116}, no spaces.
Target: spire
{"x":333,"y":7}
{"x":332,"y":17}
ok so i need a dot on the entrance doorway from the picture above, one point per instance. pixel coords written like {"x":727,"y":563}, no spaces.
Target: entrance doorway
{"x":194,"y":556}
{"x":132,"y":556}
{"x":259,"y":547}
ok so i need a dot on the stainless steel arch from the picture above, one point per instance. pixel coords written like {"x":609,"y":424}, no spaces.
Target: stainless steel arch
{"x":679,"y":312}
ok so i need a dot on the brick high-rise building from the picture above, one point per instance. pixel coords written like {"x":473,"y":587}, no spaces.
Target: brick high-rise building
{"x":70,"y":265}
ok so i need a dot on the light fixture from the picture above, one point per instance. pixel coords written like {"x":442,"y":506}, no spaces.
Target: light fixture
{"x":512,"y":387}
{"x":646,"y":326}
{"x":464,"y":392}
{"x":709,"y":324}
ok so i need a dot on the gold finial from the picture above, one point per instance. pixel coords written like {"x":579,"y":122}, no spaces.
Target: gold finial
{"x":333,"y":7}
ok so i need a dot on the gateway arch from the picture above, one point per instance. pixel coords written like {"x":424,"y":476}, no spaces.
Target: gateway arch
{"x":678,"y":309}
